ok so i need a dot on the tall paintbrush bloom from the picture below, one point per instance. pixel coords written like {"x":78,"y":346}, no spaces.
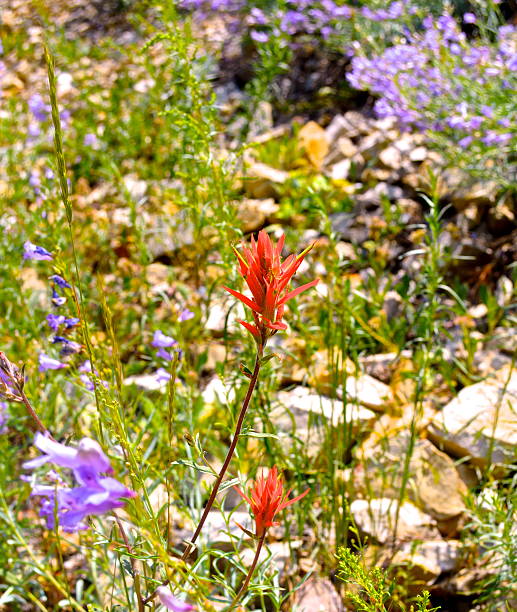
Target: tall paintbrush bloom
{"x":268,"y":278}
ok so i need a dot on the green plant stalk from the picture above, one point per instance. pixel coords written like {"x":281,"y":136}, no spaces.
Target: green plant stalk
{"x":246,"y":582}
{"x":432,"y":282}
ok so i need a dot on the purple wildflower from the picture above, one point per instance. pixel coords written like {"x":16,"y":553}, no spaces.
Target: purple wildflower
{"x":259,"y":37}
{"x":95,"y":495}
{"x":37,"y":253}
{"x":85,"y":369}
{"x":38,"y":107}
{"x":160,"y":340}
{"x":48,"y":363}
{"x":54,"y":321}
{"x":90,"y":140}
{"x":469,"y":18}
{"x":71,"y":322}
{"x":186,"y":314}
{"x":60,"y":281}
{"x":170,"y":602}
{"x":161,"y":375}
{"x":69,"y":346}
{"x":57,"y":300}
{"x":164,"y":354}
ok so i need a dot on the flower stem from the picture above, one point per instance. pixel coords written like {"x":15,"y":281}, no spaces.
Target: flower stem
{"x":245,"y":584}
{"x":229,"y":455}
{"x":33,"y":414}
{"x":231,"y":450}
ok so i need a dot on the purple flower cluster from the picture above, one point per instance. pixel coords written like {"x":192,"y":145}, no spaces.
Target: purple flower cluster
{"x":96,"y":494}
{"x":58,"y":323}
{"x":318,"y":18}
{"x":440,"y":82}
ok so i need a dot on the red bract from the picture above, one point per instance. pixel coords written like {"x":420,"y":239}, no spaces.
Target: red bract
{"x":268,"y":277}
{"x":267,"y":498}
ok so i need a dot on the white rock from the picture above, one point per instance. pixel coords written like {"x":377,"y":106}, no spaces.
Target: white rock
{"x":303,"y":400}
{"x":217,"y":391}
{"x":340,"y":171}
{"x":369,"y":392}
{"x":147,"y":382}
{"x":481,"y":420}
{"x":376,"y":519}
{"x":445,"y":554}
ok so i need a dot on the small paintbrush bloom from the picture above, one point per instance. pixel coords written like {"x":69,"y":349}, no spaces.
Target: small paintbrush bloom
{"x":267,"y":498}
{"x":268,"y":278}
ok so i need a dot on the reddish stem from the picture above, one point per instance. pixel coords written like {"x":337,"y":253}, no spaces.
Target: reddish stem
{"x":231,"y":450}
{"x":245,"y":584}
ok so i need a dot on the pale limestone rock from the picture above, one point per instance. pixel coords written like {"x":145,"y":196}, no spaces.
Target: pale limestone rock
{"x":340,"y":170}
{"x":136,"y":188}
{"x":481,"y":421}
{"x":369,"y":392}
{"x":422,"y":570}
{"x":376,"y":519}
{"x":224,"y":314}
{"x":434,"y":483}
{"x":217,"y":391}
{"x":445,"y":555}
{"x":391,"y":157}
{"x":253,"y":214}
{"x":146,"y":382}
{"x":263,"y":179}
{"x":317,"y":595}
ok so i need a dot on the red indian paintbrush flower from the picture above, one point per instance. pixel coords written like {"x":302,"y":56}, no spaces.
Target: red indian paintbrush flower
{"x":266,"y":499}
{"x":268,"y":277}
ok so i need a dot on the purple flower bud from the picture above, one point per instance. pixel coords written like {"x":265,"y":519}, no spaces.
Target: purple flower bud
{"x":37,"y":253}
{"x":469,"y":18}
{"x":71,"y":322}
{"x":60,"y":281}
